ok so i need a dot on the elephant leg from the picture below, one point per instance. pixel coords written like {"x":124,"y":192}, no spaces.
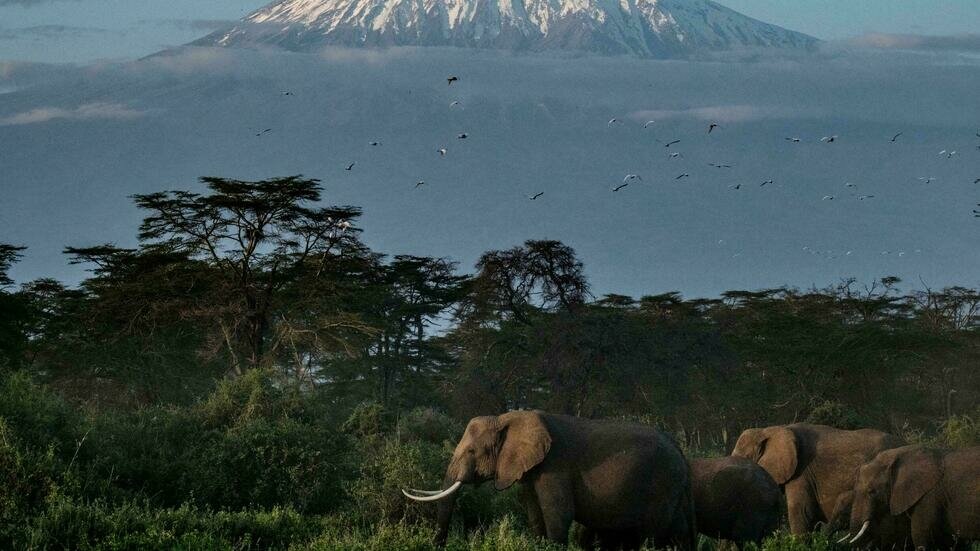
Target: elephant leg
{"x":535,"y":519}
{"x":926,"y":521}
{"x":557,"y":506}
{"x":801,"y":507}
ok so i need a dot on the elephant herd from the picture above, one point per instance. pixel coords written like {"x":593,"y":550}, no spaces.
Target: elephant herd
{"x":627,"y":484}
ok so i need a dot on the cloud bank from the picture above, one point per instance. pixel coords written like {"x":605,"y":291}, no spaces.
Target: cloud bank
{"x":87,"y":112}
{"x":953,"y":43}
{"x":49,"y":32}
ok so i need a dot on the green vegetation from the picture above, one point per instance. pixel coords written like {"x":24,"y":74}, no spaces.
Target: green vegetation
{"x":253,"y":376}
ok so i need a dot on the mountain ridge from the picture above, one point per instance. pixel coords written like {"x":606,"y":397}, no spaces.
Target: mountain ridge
{"x":641,"y":28}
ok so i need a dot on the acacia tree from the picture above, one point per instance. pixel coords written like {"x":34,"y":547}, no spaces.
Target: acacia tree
{"x":257,"y":237}
{"x":415,"y":292}
{"x":12,"y":311}
{"x":514,"y":302}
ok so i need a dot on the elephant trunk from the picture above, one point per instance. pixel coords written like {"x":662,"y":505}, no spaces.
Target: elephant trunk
{"x":445,"y":512}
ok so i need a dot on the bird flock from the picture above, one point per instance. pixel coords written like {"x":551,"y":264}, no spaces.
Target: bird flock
{"x":672,"y":153}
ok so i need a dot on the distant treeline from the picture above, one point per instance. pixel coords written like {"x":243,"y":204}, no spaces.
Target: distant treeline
{"x":253,"y":376}
{"x":257,"y":275}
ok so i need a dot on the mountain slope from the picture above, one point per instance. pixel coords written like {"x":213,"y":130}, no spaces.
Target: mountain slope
{"x":644,"y":28}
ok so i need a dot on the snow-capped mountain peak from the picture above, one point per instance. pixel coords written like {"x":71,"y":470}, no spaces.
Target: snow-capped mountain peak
{"x":645,"y":28}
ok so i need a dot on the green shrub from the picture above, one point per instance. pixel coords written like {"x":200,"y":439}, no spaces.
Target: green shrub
{"x":504,"y":535}
{"x":258,"y":394}
{"x":961,"y":431}
{"x":40,"y":417}
{"x":835,"y":414}
{"x":68,"y":524}
{"x":368,"y":421}
{"x":388,"y":467}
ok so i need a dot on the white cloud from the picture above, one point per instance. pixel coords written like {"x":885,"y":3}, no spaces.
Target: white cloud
{"x":89,"y":111}
{"x":883,"y":41}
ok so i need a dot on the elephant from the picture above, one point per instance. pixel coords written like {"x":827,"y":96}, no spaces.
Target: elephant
{"x":932,"y":495}
{"x":611,"y":477}
{"x":735,"y":499}
{"x":815,"y":465}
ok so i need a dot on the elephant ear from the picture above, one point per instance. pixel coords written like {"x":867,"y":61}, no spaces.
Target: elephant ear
{"x":778,"y":454}
{"x":526,"y":442}
{"x":912,"y":474}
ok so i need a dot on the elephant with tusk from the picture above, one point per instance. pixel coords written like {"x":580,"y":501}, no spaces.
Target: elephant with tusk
{"x":815,"y":465}
{"x":622,"y":479}
{"x":917,"y":494}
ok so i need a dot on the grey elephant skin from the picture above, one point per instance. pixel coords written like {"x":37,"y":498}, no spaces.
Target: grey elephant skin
{"x":932,"y":494}
{"x":613,"y":478}
{"x":815,"y":465}
{"x":735,"y":499}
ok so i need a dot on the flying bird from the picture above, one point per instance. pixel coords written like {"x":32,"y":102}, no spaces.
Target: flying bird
{"x":619,"y":187}
{"x":442,"y":151}
{"x":735,"y":186}
{"x":536,"y":195}
{"x":928,"y":180}
{"x":675,"y":155}
{"x":863,"y":197}
{"x":895,"y":137}
{"x":948,"y":154}
{"x":794,"y":140}
{"x":287,"y":93}
{"x":977,"y":181}
{"x":684,"y":175}
{"x":613,"y":121}
{"x":766,"y":182}
{"x":668,"y":144}
{"x":828,"y":198}
{"x":451,"y":80}
{"x":454,"y":104}
{"x":711,"y":127}
{"x":419,"y":184}
{"x":648,"y":123}
{"x":267,"y":130}
{"x":829,"y":139}
{"x":375,"y":144}
{"x":350,"y":167}
{"x":462,"y":136}
{"x":629,"y":177}
{"x":719,"y":166}
{"x":848,"y":184}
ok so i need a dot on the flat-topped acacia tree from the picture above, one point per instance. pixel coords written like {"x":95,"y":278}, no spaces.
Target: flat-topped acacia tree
{"x":258,"y":236}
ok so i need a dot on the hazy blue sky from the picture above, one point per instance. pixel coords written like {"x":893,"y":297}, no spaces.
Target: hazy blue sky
{"x":82,"y":30}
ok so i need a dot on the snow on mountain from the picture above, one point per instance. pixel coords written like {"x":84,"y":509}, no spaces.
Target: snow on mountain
{"x":644,"y":28}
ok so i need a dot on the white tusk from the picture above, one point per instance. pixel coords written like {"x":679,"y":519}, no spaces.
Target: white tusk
{"x":861,"y":533}
{"x":432,"y":493}
{"x":845,"y":538}
{"x":437,"y":496}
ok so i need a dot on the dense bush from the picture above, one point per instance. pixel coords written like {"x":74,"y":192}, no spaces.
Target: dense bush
{"x":961,"y":431}
{"x":836,"y":414}
{"x":65,"y":524}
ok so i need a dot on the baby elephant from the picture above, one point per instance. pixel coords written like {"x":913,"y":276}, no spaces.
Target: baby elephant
{"x":734,"y":499}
